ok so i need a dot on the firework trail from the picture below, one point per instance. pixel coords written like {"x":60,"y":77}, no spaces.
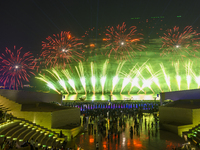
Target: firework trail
{"x":136,"y":77}
{"x":128,"y":76}
{"x":146,"y":82}
{"x":80,"y":72}
{"x":103,"y":78}
{"x":116,"y":78}
{"x":93,"y":80}
{"x":123,"y":43}
{"x":61,"y":49}
{"x":70,"y":81}
{"x":58,"y":78}
{"x":176,"y":44}
{"x":167,"y":78}
{"x":188,"y":68}
{"x":48,"y":82}
{"x":154,"y":76}
{"x":178,"y":77}
{"x":16,"y":67}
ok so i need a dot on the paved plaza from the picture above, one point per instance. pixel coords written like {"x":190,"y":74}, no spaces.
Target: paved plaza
{"x":147,"y":137}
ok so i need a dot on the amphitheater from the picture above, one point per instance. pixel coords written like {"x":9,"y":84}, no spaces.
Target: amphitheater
{"x":29,"y":115}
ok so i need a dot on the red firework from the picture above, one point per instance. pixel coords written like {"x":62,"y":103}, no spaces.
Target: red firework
{"x":61,"y":49}
{"x":16,"y":67}
{"x":178,"y":43}
{"x":123,"y":43}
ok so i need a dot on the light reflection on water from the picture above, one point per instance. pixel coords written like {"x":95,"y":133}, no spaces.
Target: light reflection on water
{"x":113,"y":97}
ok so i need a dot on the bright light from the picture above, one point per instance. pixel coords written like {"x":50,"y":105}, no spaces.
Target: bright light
{"x":122,"y":43}
{"x":103,"y":80}
{"x":103,"y":97}
{"x":167,"y":78}
{"x":135,"y":83}
{"x":135,"y":80}
{"x":115,"y":81}
{"x":188,"y":81}
{"x":71,"y":82}
{"x":83,"y":81}
{"x":177,"y":46}
{"x":64,"y":50}
{"x":155,"y":80}
{"x":125,"y":82}
{"x":189,"y":78}
{"x":147,"y":83}
{"x":93,"y":80}
{"x":51,"y":86}
{"x":92,"y":45}
{"x":93,"y":97}
{"x":178,"y":78}
{"x":62,"y":83}
{"x":16,"y":67}
{"x":198,"y":80}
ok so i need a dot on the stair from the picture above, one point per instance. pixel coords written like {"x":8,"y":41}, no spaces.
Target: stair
{"x":193,"y":134}
{"x":21,"y":131}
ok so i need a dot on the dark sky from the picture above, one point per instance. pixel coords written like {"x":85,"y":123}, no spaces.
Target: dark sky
{"x":28,"y":22}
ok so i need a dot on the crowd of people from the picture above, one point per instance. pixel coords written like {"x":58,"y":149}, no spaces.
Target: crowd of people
{"x":109,"y":124}
{"x":112,"y":122}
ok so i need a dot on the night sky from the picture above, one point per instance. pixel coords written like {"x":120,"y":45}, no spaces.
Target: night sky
{"x":25,"y":23}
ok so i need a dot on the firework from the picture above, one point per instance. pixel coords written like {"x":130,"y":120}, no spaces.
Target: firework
{"x":80,"y":72}
{"x":144,"y":78}
{"x":103,"y":78}
{"x":61,"y":81}
{"x":188,"y":69}
{"x":93,"y":80}
{"x":116,"y":78}
{"x":136,"y":77}
{"x":56,"y":80}
{"x":16,"y":67}
{"x":167,"y":77}
{"x":70,"y":81}
{"x":146,"y":82}
{"x":61,"y":49}
{"x":48,"y":82}
{"x":177,"y":43}
{"x":123,"y":43}
{"x":127,"y":78}
{"x":154,"y":76}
